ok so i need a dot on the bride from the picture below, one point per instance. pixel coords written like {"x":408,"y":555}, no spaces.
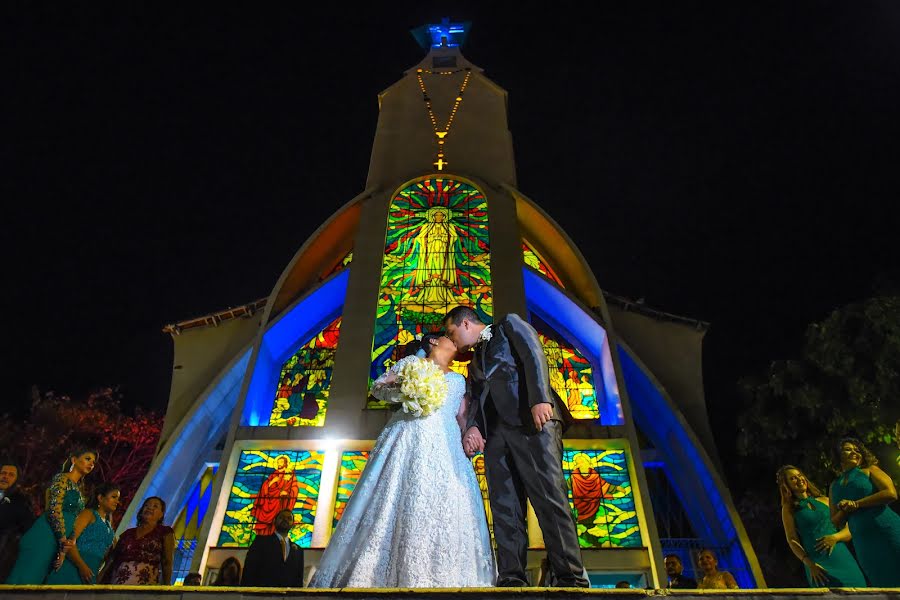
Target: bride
{"x":416,"y":517}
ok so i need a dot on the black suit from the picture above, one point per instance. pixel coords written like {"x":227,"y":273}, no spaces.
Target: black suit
{"x":15,"y":519}
{"x":264,"y":566}
{"x":508,"y":376}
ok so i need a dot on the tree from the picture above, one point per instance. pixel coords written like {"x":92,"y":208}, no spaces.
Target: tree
{"x":846,"y":382}
{"x":56,"y":423}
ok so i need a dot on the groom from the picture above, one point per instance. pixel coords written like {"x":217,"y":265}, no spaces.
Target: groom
{"x":515,"y":418}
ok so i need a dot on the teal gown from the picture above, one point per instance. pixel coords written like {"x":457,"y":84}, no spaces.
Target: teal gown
{"x":813,"y":520}
{"x":875,"y":530}
{"x":93,"y":544}
{"x":39,"y":545}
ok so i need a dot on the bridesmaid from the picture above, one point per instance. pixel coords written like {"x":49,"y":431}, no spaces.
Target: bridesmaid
{"x":713,"y":578}
{"x":46,"y":543}
{"x":93,"y":535}
{"x":146,"y":552}
{"x":810,"y":534}
{"x":860,"y":496}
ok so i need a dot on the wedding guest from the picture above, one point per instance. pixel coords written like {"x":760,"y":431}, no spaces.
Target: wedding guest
{"x":713,"y":578}
{"x":274,"y":560}
{"x":93,"y":535}
{"x":45,"y":544}
{"x":860,"y":497}
{"x":16,"y":515}
{"x":811,"y":535}
{"x":623,"y":585}
{"x":229,"y":572}
{"x":675,"y":570}
{"x":144,"y":554}
{"x":193,"y":579}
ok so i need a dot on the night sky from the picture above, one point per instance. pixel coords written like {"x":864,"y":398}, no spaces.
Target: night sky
{"x":732,"y":162}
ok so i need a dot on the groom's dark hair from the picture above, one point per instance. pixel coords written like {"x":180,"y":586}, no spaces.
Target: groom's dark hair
{"x":462,"y":313}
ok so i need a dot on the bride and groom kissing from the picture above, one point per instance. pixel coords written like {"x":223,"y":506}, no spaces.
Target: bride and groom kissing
{"x":416,"y":517}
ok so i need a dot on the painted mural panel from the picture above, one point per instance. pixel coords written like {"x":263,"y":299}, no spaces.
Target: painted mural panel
{"x":265,"y":483}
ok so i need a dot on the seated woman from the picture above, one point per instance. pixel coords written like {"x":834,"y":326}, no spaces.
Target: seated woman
{"x":144,"y":554}
{"x":713,"y":578}
{"x":810,"y":534}
{"x":229,"y":572}
{"x":93,"y":535}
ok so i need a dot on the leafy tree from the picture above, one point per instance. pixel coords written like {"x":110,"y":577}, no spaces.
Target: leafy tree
{"x":126,"y":443}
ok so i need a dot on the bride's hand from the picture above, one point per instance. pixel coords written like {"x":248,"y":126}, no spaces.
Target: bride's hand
{"x":473,"y":441}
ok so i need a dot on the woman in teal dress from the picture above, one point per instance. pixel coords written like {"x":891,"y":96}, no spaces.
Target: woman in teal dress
{"x":860,"y":496}
{"x":46,"y":543}
{"x":812,"y":536}
{"x":93,"y":535}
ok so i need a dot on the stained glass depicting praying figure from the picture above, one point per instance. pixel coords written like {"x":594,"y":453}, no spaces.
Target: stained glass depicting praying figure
{"x":352,"y":464}
{"x":436,"y":256}
{"x":305,"y":380}
{"x":571,"y":373}
{"x":481,"y":477}
{"x":601,"y":498}
{"x":265,"y":483}
{"x":533,"y":260}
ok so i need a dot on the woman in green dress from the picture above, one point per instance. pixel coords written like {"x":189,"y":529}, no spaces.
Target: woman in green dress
{"x":860,"y":496}
{"x":812,"y":536}
{"x":93,"y":536}
{"x":46,"y":543}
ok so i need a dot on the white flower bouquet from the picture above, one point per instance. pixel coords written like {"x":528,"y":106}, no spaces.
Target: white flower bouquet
{"x":420,"y":386}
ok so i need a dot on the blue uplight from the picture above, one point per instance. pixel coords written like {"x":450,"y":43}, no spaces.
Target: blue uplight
{"x":445,"y":33}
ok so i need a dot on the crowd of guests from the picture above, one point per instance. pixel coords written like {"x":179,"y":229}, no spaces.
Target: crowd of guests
{"x":73,"y":541}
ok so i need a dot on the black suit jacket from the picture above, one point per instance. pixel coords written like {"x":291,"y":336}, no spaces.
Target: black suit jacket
{"x":15,"y":519}
{"x":265,"y":568}
{"x":508,"y":375}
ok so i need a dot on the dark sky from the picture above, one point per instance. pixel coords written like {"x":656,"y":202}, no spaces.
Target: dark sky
{"x":733,"y":162}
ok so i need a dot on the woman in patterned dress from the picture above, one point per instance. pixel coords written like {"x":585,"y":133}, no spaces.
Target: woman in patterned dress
{"x":46,"y":543}
{"x":93,"y":535}
{"x":144,"y":554}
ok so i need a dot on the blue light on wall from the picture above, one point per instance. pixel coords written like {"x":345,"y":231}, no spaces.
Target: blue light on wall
{"x":283,"y":337}
{"x":445,"y":33}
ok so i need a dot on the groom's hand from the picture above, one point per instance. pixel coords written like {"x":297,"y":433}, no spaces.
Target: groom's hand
{"x":473,"y":441}
{"x":541,"y":413}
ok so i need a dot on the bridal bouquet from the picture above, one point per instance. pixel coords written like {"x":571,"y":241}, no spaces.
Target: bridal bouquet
{"x":421,"y":387}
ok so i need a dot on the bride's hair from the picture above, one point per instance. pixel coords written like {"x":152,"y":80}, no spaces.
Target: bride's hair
{"x":423,"y":345}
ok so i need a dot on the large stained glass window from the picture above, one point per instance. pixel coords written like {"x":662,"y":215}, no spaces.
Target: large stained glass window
{"x":305,"y":380}
{"x":601,"y":498}
{"x":571,"y":373}
{"x":436,"y":256}
{"x":534,"y":260}
{"x":265,"y":483}
{"x":352,"y":464}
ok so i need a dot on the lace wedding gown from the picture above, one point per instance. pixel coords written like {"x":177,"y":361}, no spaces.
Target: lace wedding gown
{"x":416,"y":517}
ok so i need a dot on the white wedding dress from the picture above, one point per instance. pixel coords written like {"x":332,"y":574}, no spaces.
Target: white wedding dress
{"x":416,"y":517}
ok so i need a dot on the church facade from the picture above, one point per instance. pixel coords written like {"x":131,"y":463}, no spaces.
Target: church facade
{"x":269,"y":406}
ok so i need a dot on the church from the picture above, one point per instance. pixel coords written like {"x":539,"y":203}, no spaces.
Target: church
{"x":269,"y":406}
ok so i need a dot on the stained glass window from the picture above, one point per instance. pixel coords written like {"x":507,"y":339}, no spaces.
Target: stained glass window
{"x":345,"y":262}
{"x":352,"y":464}
{"x":267,"y":482}
{"x":571,"y":373}
{"x":601,"y":498}
{"x":305,"y":380}
{"x":533,"y":260}
{"x":189,"y":520}
{"x":436,"y":256}
{"x":478,"y":465}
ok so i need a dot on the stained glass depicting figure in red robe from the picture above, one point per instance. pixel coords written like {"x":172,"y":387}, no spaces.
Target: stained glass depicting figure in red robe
{"x":278,"y":492}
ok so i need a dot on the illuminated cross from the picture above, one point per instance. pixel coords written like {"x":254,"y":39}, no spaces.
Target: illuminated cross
{"x":440,"y":163}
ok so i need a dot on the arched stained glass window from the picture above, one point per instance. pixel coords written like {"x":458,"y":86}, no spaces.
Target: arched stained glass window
{"x":305,"y":381}
{"x":352,"y":464}
{"x":571,"y":373}
{"x":436,"y":256}
{"x":265,"y":483}
{"x":601,"y":498}
{"x":534,"y":260}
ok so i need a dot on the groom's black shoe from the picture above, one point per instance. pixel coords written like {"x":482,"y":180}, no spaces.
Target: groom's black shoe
{"x":511,"y":582}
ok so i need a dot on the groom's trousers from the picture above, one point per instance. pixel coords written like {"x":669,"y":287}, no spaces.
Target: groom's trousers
{"x":520,"y":464}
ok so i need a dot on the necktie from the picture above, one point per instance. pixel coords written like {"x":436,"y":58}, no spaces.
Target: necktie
{"x":283,"y":549}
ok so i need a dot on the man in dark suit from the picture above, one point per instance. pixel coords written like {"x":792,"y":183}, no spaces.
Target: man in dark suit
{"x":516,"y":419}
{"x":675,"y":570}
{"x":274,"y":560}
{"x":16,"y":516}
